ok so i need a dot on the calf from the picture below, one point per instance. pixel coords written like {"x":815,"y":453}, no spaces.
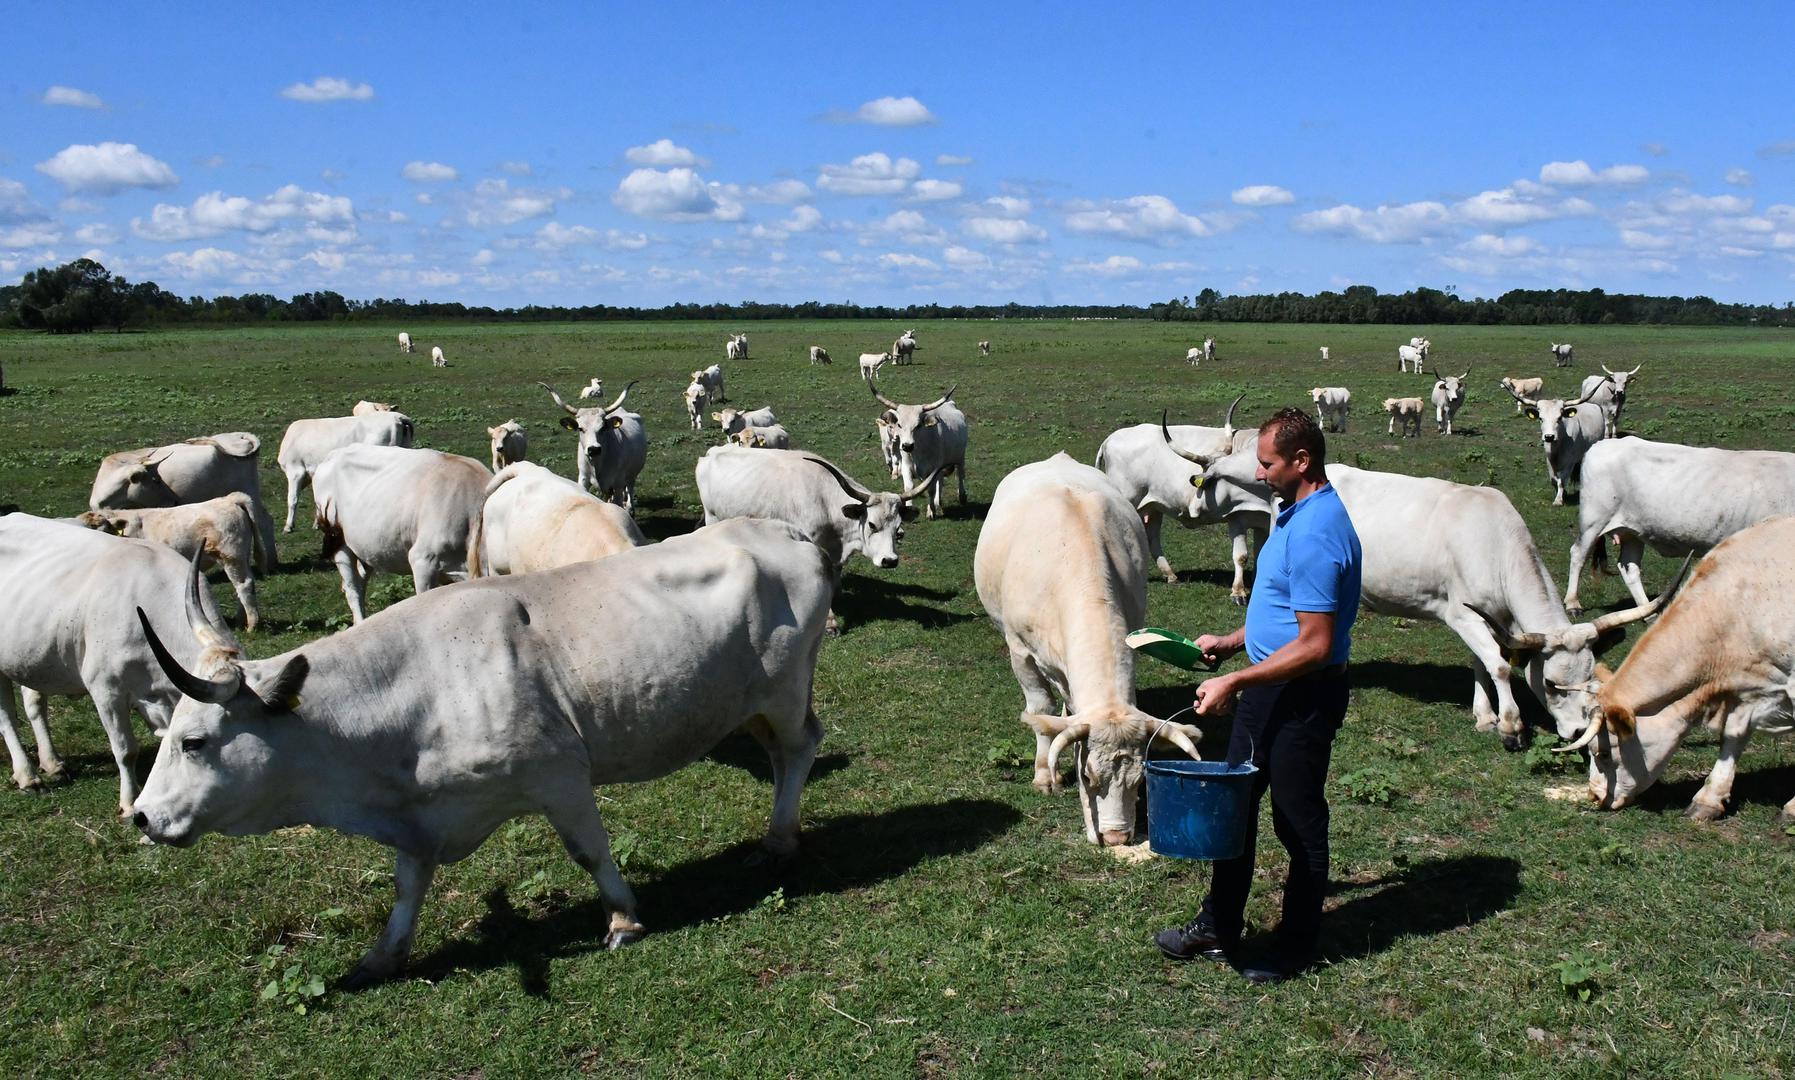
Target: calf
{"x":734,"y":420}
{"x":365,"y":407}
{"x":819,"y":355}
{"x":696,"y":396}
{"x":509,"y":444}
{"x":436,"y":357}
{"x":1561,"y":355}
{"x":871,"y":362}
{"x":1524,"y":391}
{"x":1331,"y":406}
{"x":773,"y":436}
{"x":219,"y":531}
{"x":712,"y":380}
{"x":593,"y":389}
{"x":1407,"y":410}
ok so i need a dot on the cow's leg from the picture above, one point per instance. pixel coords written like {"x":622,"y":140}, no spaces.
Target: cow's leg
{"x":1557,"y":490}
{"x":1037,"y":699}
{"x":960,"y":475}
{"x":1710,"y":802}
{"x":1580,"y":549}
{"x":1237,"y":534}
{"x":243,"y":582}
{"x":1632,"y":549}
{"x":355,"y":583}
{"x":36,"y":711}
{"x":792,"y":751}
{"x":411,"y":880}
{"x":115,"y":717}
{"x":1392,"y":430}
{"x":297,"y":480}
{"x":1483,"y":689}
{"x":1154,"y":520}
{"x":22,"y":772}
{"x":582,"y":831}
{"x":1485,"y":652}
{"x":426,"y":571}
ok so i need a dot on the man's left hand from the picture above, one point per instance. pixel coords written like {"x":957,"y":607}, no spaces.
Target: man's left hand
{"x":1215,"y":696}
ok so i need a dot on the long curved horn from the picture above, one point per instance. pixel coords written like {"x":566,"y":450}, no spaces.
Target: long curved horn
{"x":199,"y":620}
{"x":923,"y":484}
{"x":847,"y":484}
{"x":571,"y":411}
{"x":873,"y":385}
{"x":942,"y":400}
{"x":1588,"y":736}
{"x":1522,"y":642}
{"x":1178,"y":735}
{"x":612,"y":407}
{"x":1646,"y":610}
{"x":1606,"y":368}
{"x":1465,"y":376}
{"x":1165,"y":431}
{"x":1228,"y":424}
{"x":1069,"y":733}
{"x":206,"y":690}
{"x":1636,"y":368}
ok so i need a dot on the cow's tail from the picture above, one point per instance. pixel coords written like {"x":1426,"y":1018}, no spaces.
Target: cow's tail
{"x":1100,"y":458}
{"x":476,"y":532}
{"x":255,"y":534}
{"x":409,"y":430}
{"x":330,"y":530}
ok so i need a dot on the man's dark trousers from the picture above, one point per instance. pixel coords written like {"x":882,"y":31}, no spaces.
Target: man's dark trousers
{"x":1288,"y":732}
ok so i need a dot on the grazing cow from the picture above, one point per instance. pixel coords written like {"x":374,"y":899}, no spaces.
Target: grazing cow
{"x":308,"y":442}
{"x":1408,"y":410}
{"x":1448,"y":398}
{"x":984,"y":348}
{"x":186,"y":472}
{"x":696,"y":396}
{"x":1409,"y":357}
{"x":1524,"y":391}
{"x":399,"y":510}
{"x":773,"y":436}
{"x":819,"y":355}
{"x":1227,"y":489}
{"x":903,"y":350}
{"x":1324,"y":352}
{"x":1608,"y":390}
{"x":427,"y":728}
{"x":365,"y":407}
{"x":1461,"y":555}
{"x":593,"y":389}
{"x":871,"y":362}
{"x":533,"y":520}
{"x":404,"y":342}
{"x":734,"y":420}
{"x":1720,"y":655}
{"x":1061,"y":568}
{"x":1567,"y":429}
{"x":68,"y":630}
{"x":1208,"y":348}
{"x":931,"y":441}
{"x":613,"y":447}
{"x":510,"y":444}
{"x":218,"y":531}
{"x":1332,"y":403}
{"x":712,"y":380}
{"x":436,"y":357}
{"x":736,"y":348}
{"x":1561,"y":355}
{"x":1678,"y":499}
{"x":1194,"y":356}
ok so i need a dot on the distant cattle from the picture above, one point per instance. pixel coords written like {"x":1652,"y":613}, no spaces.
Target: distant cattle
{"x":593,"y":389}
{"x":1609,"y":390}
{"x":1524,"y":391}
{"x":1332,"y":403}
{"x":1562,"y":355}
{"x":1448,"y":398}
{"x":404,"y":342}
{"x":436,"y":357}
{"x":772,"y":436}
{"x":984,"y":348}
{"x":819,"y":355}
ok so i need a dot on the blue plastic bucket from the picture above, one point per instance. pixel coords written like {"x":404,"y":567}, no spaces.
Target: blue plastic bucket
{"x":1198,"y":809}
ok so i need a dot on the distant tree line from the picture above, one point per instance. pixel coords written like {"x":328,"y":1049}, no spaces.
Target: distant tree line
{"x":83,"y":296}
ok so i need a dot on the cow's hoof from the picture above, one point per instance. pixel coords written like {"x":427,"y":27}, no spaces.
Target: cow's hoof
{"x":29,"y":783}
{"x":52,"y":772}
{"x":1514,"y":743}
{"x":364,"y":976}
{"x":624,"y":935}
{"x":1238,"y":599}
{"x":1573,"y":608}
{"x":1704,"y":811}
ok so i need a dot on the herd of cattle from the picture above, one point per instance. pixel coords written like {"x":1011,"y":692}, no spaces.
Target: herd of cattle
{"x":514,"y":692}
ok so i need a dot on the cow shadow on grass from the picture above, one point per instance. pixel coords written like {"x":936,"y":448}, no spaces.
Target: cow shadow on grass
{"x":843,"y":853}
{"x":862,"y":600}
{"x":1434,"y":896}
{"x":1434,"y":684}
{"x":741,"y":751}
{"x":665,"y":526}
{"x":1756,"y":787}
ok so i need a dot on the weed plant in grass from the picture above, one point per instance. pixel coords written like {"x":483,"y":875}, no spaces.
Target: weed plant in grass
{"x":943,"y":917}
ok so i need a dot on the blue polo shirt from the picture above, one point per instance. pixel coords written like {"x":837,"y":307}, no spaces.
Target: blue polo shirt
{"x":1309,"y":563}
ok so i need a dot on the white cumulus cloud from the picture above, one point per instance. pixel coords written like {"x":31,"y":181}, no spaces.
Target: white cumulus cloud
{"x":869,"y":174}
{"x":1262,"y":195}
{"x":495,"y":202}
{"x":555,"y":235}
{"x":903,"y":260}
{"x":215,"y":213}
{"x":16,"y":205}
{"x":98,"y":233}
{"x":1520,"y":204}
{"x":328,"y":88}
{"x":1143,"y":217}
{"x":1501,"y":246}
{"x":1004,"y":230}
{"x":673,"y":195}
{"x":72,"y":98}
{"x":663,"y":154}
{"x":429,"y":172}
{"x":1114,"y":266}
{"x":1579,"y":174}
{"x":1740,"y":177}
{"x":894,"y":112}
{"x":949,"y":160}
{"x":34,"y":234}
{"x":107,"y":168}
{"x":516,"y":168}
{"x":1402,"y":224}
{"x":935,"y":190}
{"x":964,"y":258}
{"x":1006,"y":206}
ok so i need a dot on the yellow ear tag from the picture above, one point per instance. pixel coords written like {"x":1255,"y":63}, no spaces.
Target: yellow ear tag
{"x":1196,"y":481}
{"x":292,"y":702}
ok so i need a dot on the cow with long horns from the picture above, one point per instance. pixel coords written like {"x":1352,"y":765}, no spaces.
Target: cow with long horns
{"x":931,"y":442}
{"x":613,"y":447}
{"x":1448,"y":398}
{"x":1567,"y":429}
{"x":1609,"y":390}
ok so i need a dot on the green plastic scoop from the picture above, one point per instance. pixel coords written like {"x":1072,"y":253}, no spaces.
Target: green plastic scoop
{"x":1172,"y":647}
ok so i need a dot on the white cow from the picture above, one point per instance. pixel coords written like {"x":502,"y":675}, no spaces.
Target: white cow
{"x":888,"y":446}
{"x":1408,"y":358}
{"x":1567,"y":429}
{"x":72,"y":597}
{"x":1720,"y":656}
{"x":931,"y":441}
{"x":712,"y":378}
{"x":1324,"y":352}
{"x":1561,"y":355}
{"x":1448,"y":398}
{"x":1408,"y":410}
{"x":612,"y":449}
{"x":404,"y":342}
{"x":593,"y":389}
{"x":1227,"y":488}
{"x":1524,"y":391}
{"x":185,"y":472}
{"x":984,"y":348}
{"x":871,"y":362}
{"x":772,"y":436}
{"x":903,"y":350}
{"x":1678,"y":499}
{"x":365,"y":407}
{"x":219,"y":531}
{"x":819,"y":355}
{"x":736,"y":348}
{"x":1332,"y":403}
{"x":436,"y":357}
{"x":1608,"y":390}
{"x":398,"y":510}
{"x":733,"y":420}
{"x":1194,"y":356}
{"x":533,"y":520}
{"x":1061,"y":568}
{"x":308,"y":442}
{"x":510,"y":444}
{"x":696,"y":396}
{"x":504,"y":697}
{"x":1208,"y":348}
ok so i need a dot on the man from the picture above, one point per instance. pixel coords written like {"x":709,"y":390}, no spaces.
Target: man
{"x":1292,"y":699}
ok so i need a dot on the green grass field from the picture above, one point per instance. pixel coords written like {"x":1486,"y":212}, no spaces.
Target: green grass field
{"x":943,"y":918}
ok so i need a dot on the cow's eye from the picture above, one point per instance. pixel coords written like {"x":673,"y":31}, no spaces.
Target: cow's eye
{"x":193,"y":744}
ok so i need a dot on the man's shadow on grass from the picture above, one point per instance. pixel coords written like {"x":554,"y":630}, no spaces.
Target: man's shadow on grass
{"x":1429,"y":897}
{"x":847,"y":852}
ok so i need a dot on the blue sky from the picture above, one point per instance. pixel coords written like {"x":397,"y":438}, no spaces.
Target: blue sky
{"x":893,"y":154}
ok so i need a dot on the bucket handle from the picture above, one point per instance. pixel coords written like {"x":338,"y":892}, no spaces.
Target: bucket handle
{"x":1252,"y":744}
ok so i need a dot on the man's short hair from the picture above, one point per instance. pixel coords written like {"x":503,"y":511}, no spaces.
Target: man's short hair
{"x":1293,"y":430}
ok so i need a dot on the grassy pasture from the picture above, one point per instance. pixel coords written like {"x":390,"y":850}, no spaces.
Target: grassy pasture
{"x":943,"y":917}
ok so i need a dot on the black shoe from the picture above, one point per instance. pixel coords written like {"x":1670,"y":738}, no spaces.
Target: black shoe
{"x":1272,"y":971}
{"x":1195,"y":938}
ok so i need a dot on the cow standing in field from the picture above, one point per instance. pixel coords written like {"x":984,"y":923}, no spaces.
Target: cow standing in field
{"x":187,"y":472}
{"x":612,"y":449}
{"x":1677,"y":499}
{"x":219,"y":531}
{"x":1408,"y":411}
{"x":1720,"y":655}
{"x":1061,"y":568}
{"x":1609,"y":391}
{"x":308,"y":442}
{"x":903,"y":350}
{"x":436,"y":357}
{"x":1226,"y":488}
{"x":1524,"y":391}
{"x":736,"y":348}
{"x":870,"y":363}
{"x":593,"y":389}
{"x":1448,"y":398}
{"x":984,"y":348}
{"x":819,"y":355}
{"x":510,"y":444}
{"x":405,"y":343}
{"x":1410,"y":357}
{"x":532,"y":520}
{"x":1567,"y":429}
{"x":712,"y":380}
{"x":399,"y":510}
{"x":1324,"y":354}
{"x":71,"y":594}
{"x":1194,"y":356}
{"x":1562,"y":355}
{"x":1331,"y":406}
{"x":499,"y":698}
{"x":696,"y":396}
{"x":931,"y":441}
